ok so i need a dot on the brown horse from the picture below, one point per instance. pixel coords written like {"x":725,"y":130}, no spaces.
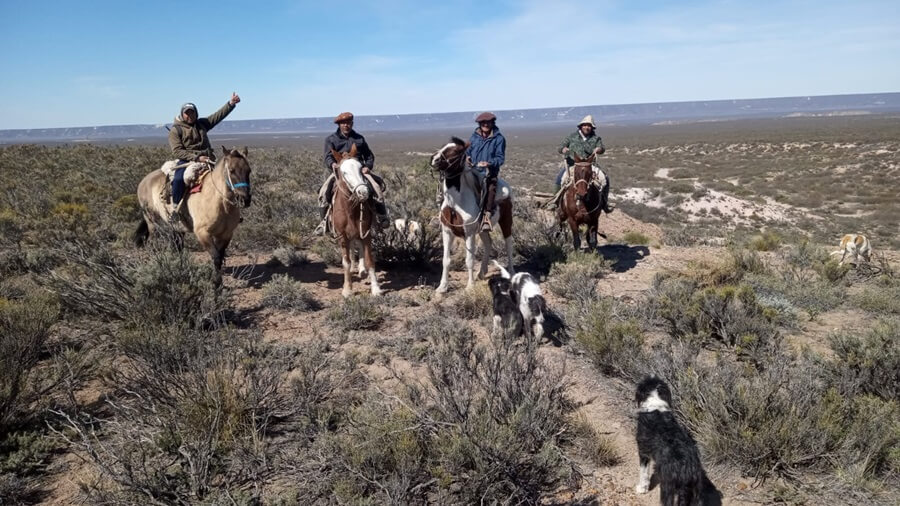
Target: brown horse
{"x":214,"y":210}
{"x":352,"y":217}
{"x":582,"y":203}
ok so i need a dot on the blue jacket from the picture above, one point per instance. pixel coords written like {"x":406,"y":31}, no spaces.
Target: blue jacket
{"x":491,"y":150}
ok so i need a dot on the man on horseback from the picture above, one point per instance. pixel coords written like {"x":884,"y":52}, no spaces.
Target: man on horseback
{"x":583,"y":142}
{"x":341,"y":141}
{"x":190,"y":144}
{"x":487,"y":152}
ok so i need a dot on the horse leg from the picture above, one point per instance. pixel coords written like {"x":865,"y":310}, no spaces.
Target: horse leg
{"x":505,"y":222}
{"x":470,"y":261}
{"x":487,"y":246}
{"x":370,"y":265}
{"x":345,"y":261}
{"x":447,"y":237}
{"x":360,"y":254}
{"x":576,"y":238}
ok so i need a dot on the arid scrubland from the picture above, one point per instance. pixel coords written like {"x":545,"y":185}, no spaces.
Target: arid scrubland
{"x":128,"y":377}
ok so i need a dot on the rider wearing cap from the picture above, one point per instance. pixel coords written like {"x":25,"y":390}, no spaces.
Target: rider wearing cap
{"x":583,"y":142}
{"x":487,"y":152}
{"x":189,"y":141}
{"x":341,"y":141}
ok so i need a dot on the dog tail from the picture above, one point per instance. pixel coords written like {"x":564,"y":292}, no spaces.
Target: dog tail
{"x":503,"y":272}
{"x":142,"y":233}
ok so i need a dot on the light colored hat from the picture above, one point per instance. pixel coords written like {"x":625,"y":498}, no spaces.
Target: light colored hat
{"x":587,"y":120}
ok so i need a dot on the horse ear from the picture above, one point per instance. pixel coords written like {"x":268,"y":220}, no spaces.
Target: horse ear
{"x":225,"y":151}
{"x":337,"y":156}
{"x":353,"y":150}
{"x":244,"y":151}
{"x":591,"y":158}
{"x":578,"y":159}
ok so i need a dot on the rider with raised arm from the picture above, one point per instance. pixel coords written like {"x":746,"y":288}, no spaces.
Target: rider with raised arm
{"x":341,"y":141}
{"x":583,"y":142}
{"x":487,"y":152}
{"x":189,"y":142}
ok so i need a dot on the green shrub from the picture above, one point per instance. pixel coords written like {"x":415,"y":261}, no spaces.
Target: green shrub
{"x":358,"y":313}
{"x":24,"y":332}
{"x":636,"y":238}
{"x":577,"y":278}
{"x":882,"y":300}
{"x":288,"y":257}
{"x":767,"y":241}
{"x":612,"y":342}
{"x":474,"y":303}
{"x":867,"y":363}
{"x":286,"y":293}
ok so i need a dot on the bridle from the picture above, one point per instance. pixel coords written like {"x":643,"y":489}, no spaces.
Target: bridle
{"x":458,"y":161}
{"x":579,"y":199}
{"x":228,"y":183}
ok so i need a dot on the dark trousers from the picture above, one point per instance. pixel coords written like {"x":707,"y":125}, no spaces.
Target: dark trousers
{"x":178,"y":184}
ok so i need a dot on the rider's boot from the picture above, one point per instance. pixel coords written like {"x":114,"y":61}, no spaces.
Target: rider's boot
{"x":324,"y":205}
{"x":604,"y":197}
{"x":488,"y":206}
{"x":381,"y":214}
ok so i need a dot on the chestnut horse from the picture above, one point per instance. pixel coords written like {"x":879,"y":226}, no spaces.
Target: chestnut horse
{"x":461,"y":208}
{"x":582,"y":203}
{"x":214,"y":210}
{"x":352,"y":217}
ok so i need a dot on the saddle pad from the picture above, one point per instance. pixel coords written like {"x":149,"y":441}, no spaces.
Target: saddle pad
{"x":199,"y":184}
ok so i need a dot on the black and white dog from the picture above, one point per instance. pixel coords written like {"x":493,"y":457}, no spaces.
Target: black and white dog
{"x":507,"y":317}
{"x":660,"y":438}
{"x":527,"y":294}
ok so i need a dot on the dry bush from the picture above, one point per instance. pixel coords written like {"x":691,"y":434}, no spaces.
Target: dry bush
{"x":188,"y":419}
{"x":594,"y":444}
{"x":867,"y":362}
{"x":539,"y":244}
{"x":767,"y":241}
{"x":612,"y":339}
{"x":474,"y":303}
{"x":577,"y":278}
{"x":409,"y":200}
{"x":286,"y":293}
{"x":288,"y":257}
{"x":164,"y":286}
{"x":360,"y":312}
{"x":636,"y":238}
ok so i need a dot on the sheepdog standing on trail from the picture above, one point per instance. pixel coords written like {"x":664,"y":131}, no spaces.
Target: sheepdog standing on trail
{"x":662,"y":440}
{"x":507,"y":317}
{"x":527,"y":294}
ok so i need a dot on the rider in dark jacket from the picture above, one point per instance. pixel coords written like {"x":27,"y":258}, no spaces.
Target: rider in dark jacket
{"x":341,"y":141}
{"x":487,"y":152}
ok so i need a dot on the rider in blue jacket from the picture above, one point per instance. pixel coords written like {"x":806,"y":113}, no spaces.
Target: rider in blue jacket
{"x":487,"y":152}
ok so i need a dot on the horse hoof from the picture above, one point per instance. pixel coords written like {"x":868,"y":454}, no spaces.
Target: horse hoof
{"x":441,"y":289}
{"x":377,"y":292}
{"x":346,"y":293}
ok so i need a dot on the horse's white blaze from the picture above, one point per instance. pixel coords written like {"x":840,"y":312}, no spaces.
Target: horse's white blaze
{"x":437,"y":156}
{"x":351,"y":171}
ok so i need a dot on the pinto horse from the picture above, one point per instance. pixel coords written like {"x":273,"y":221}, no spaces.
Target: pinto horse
{"x":215,"y":210}
{"x":352,"y":218}
{"x":582,"y":203}
{"x":461,"y":208}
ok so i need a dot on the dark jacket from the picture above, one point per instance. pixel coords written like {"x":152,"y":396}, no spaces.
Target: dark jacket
{"x":342,"y":144}
{"x":190,"y":142}
{"x":581,"y":146}
{"x":490,"y":149}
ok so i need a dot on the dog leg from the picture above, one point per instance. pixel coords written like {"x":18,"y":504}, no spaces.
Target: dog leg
{"x":643,"y":484}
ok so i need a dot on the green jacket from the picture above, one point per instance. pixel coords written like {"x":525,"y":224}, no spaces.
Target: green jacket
{"x":581,"y":146}
{"x":189,"y":142}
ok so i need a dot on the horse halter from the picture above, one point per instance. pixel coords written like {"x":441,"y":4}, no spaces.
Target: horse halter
{"x":450,"y":163}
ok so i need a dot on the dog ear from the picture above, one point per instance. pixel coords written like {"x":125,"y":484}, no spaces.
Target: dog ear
{"x":503,"y":272}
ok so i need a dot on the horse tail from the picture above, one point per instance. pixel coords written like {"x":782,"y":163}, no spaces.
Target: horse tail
{"x":142,"y":233}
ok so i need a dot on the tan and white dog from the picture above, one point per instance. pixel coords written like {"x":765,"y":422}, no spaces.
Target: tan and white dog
{"x":855,"y":245}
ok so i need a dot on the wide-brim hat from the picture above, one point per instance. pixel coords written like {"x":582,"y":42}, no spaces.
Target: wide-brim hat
{"x":344,"y":116}
{"x":485,"y":116}
{"x":587,"y":120}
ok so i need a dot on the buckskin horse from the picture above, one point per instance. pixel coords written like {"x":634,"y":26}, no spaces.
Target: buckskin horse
{"x":582,"y":203}
{"x":352,"y":217}
{"x":461,"y":208}
{"x":214,"y":210}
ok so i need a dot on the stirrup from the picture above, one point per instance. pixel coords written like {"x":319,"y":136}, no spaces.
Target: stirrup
{"x":323,"y":226}
{"x":486,"y":225}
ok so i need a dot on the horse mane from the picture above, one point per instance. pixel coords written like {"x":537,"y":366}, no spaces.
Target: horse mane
{"x":456,"y":140}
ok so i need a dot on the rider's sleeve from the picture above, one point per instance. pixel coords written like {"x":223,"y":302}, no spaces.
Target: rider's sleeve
{"x":499,"y":154}
{"x":368,"y":157}
{"x":563,"y":144}
{"x":178,"y":150}
{"x":601,"y":146}
{"x":216,"y":117}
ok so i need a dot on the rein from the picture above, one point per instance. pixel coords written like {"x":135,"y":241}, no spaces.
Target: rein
{"x":350,"y":195}
{"x":587,"y":190}
{"x":231,"y":186}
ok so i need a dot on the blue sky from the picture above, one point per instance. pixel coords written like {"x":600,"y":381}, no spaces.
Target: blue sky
{"x":94,"y":63}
